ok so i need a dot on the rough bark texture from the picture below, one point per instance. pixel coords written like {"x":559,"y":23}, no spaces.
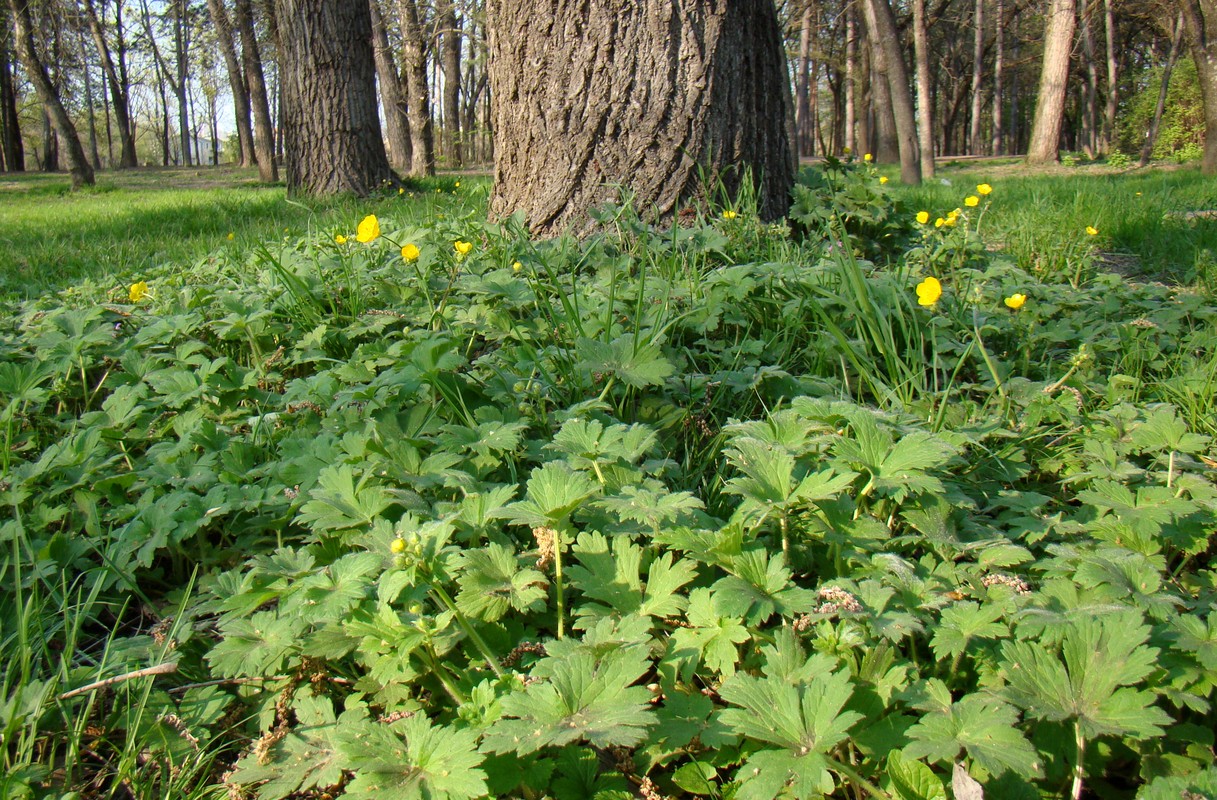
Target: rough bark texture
{"x":925,"y":103}
{"x":978,"y":63}
{"x":999,"y":57}
{"x":397,"y":128}
{"x":333,"y":140}
{"x":450,"y":62}
{"x":418,"y":94}
{"x":236,"y":80}
{"x":78,"y":164}
{"x":1113,"y":78}
{"x":1050,"y":103}
{"x":657,"y":97}
{"x":1200,"y":17}
{"x":882,"y":24}
{"x":12,"y":148}
{"x":851,"y":69}
{"x":251,"y":60}
{"x":802,"y":115}
{"x":120,"y":90}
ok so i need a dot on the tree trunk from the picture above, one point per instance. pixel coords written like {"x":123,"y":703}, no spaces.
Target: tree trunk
{"x":1090,"y":95}
{"x":236,"y":80}
{"x":91,"y":106}
{"x":925,"y":104}
{"x":1113,"y":79}
{"x":12,"y":148}
{"x":251,"y":59}
{"x":78,"y":164}
{"x":1200,"y":17}
{"x":978,"y":57}
{"x":116,"y":78}
{"x":1044,"y":147}
{"x":450,"y":64}
{"x":714,"y":100}
{"x":328,"y":75}
{"x":1151,"y":137}
{"x":802,"y":114}
{"x":851,"y":70}
{"x":181,"y":86}
{"x":397,"y":127}
{"x":998,"y":67}
{"x":886,"y":37}
{"x":418,"y":93}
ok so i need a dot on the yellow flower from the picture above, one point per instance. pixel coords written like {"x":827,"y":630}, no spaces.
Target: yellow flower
{"x":400,"y":190}
{"x":729,"y":214}
{"x":928,"y":291}
{"x":369,"y":229}
{"x":1138,"y":194}
{"x":950,"y":221}
{"x":1091,"y":230}
{"x":231,"y":236}
{"x":1016,"y":301}
{"x":397,"y":546}
{"x":463,"y":248}
{"x":882,"y":179}
{"x":410,"y":252}
{"x":938,"y":223}
{"x":866,"y":157}
{"x":340,"y":239}
{"x":138,"y":291}
{"x":458,"y":184}
{"x":517,"y":266}
{"x":983,"y":188}
{"x":971,"y":201}
{"x":923,"y":217}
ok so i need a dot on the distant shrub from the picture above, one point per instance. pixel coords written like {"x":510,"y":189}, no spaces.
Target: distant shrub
{"x":1119,"y":160}
{"x":1182,"y":122}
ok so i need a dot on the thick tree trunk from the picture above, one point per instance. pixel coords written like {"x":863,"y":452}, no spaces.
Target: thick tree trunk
{"x":251,"y":59}
{"x":978,"y":58}
{"x":418,"y":93}
{"x":999,"y":56}
{"x":328,"y":75}
{"x":885,"y":35}
{"x":397,"y":127}
{"x":236,"y":80}
{"x":925,"y":104}
{"x":1090,"y":95}
{"x":1200,"y":16}
{"x":666,"y":99}
{"x":1044,"y":147}
{"x":1151,"y":137}
{"x":116,"y":78}
{"x":450,"y":63}
{"x":78,"y":164}
{"x":12,"y":148}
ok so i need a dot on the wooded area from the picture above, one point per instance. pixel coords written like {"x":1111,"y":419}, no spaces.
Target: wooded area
{"x":112,"y":84}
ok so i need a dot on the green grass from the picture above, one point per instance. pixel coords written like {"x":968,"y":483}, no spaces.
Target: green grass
{"x":145,"y":220}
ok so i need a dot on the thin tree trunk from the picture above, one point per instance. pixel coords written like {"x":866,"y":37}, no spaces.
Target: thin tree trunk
{"x":116,"y":78}
{"x":978,"y":56}
{"x":397,"y":126}
{"x":1044,"y":147}
{"x":251,"y":58}
{"x":92,"y":107}
{"x":1151,"y":137}
{"x":882,"y":24}
{"x":925,"y":104}
{"x":78,"y":163}
{"x":418,"y":93}
{"x":236,"y":81}
{"x":851,"y":69}
{"x":1113,"y":79}
{"x":803,"y":85}
{"x":1090,"y":95}
{"x":12,"y":148}
{"x":450,"y":64}
{"x":998,"y":67}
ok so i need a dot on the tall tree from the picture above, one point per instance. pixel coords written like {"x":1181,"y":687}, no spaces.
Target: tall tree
{"x":881,"y":22}
{"x":999,"y":66}
{"x":1054,"y":75}
{"x":1113,"y":77}
{"x":328,"y":75}
{"x":851,"y":71}
{"x":1200,"y":17}
{"x":114,"y":68}
{"x":450,"y":63}
{"x":418,"y":94}
{"x":569,"y":133}
{"x":12,"y":148}
{"x":925,"y":102}
{"x":27,"y":51}
{"x":397,"y":126}
{"x":1151,"y":136}
{"x":226,"y":41}
{"x":978,"y":60}
{"x":255,"y":78}
{"x":802,"y":113}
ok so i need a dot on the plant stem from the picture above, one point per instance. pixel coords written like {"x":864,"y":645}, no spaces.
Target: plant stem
{"x":1076,"y":791}
{"x":559,"y":587}
{"x":469,"y":630}
{"x":852,"y":774}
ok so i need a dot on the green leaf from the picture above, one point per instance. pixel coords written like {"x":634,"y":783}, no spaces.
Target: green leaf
{"x":583,"y":698}
{"x":985,"y":727}
{"x":554,"y":491}
{"x":758,"y":587}
{"x":613,"y":578}
{"x":431,"y":763}
{"x":304,"y":759}
{"x":710,"y":637}
{"x":802,"y":718}
{"x":257,"y":646}
{"x":964,"y":621}
{"x":696,"y":777}
{"x":339,"y":503}
{"x":492,"y":582}
{"x":913,"y":780}
{"x":632,"y":361}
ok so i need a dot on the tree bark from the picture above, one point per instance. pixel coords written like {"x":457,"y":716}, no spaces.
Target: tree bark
{"x":91,"y":106}
{"x":999,"y":57}
{"x":236,"y":80}
{"x":251,"y":60}
{"x":328,"y":74}
{"x":78,"y":164}
{"x":418,"y":93}
{"x":397,"y":127}
{"x":450,"y":64}
{"x":886,"y":37}
{"x":1044,"y":147}
{"x":1151,"y":137}
{"x":1090,"y":96}
{"x":181,"y":86}
{"x":1113,"y":79}
{"x":978,"y":57}
{"x":668,"y":99}
{"x":1200,"y":17}
{"x":12,"y":148}
{"x":851,"y":69}
{"x":925,"y":104}
{"x":802,"y":115}
{"x":116,"y":78}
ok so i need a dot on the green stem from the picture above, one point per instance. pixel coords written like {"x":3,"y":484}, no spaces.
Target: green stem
{"x":849,"y":772}
{"x":1076,"y":791}
{"x":437,"y":669}
{"x":559,"y":586}
{"x":469,"y":630}
{"x":1170,"y":470}
{"x":785,"y":537}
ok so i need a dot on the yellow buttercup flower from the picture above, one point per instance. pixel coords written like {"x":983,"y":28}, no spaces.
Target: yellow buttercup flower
{"x":923,"y":217}
{"x":463,"y":248}
{"x":729,"y":214}
{"x":1091,"y":230}
{"x":231,"y":236}
{"x":971,"y":201}
{"x":928,"y":291}
{"x":400,"y":190}
{"x":983,"y":188}
{"x":397,"y":546}
{"x":138,"y":291}
{"x":517,"y":266}
{"x":1016,"y":301}
{"x":340,"y":239}
{"x":938,"y":223}
{"x":882,"y":179}
{"x":866,"y":157}
{"x":410,"y":252}
{"x":458,"y":184}
{"x":369,"y":229}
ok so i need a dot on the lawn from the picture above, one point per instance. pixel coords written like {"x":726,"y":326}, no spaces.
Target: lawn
{"x":379,"y":499}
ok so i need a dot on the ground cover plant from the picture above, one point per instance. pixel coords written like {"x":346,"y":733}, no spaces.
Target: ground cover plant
{"x":415,"y":506}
